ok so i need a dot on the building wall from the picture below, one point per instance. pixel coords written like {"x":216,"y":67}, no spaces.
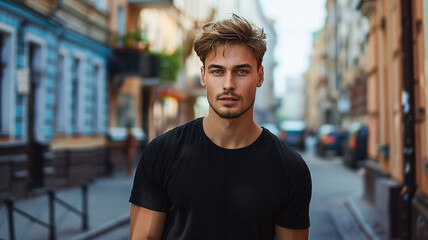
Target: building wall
{"x":46,"y":37}
{"x":352,"y":31}
{"x":316,"y":103}
{"x":419,"y":203}
{"x":421,"y":19}
{"x":385,"y":86}
{"x":372,"y":82}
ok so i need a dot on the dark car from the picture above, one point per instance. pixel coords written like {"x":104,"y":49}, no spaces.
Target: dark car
{"x":356,"y":145}
{"x":294,"y":133}
{"x":330,"y":139}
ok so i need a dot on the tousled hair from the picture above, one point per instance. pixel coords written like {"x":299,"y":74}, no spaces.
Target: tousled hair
{"x":224,"y":33}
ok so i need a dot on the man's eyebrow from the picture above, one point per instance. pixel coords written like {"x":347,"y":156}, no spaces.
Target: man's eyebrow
{"x":245,"y":65}
{"x":214,"y":66}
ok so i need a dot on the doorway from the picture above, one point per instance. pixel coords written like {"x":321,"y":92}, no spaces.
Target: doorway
{"x":35,"y":147}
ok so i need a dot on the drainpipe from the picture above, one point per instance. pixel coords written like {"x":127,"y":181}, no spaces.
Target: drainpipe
{"x":408,"y":111}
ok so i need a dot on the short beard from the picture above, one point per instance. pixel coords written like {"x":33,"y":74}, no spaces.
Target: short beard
{"x":230,"y":115}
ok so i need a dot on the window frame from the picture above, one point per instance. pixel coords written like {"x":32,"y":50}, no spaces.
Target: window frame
{"x":40,"y":92}
{"x":63,"y":95}
{"x":100,"y":96}
{"x":78,"y":128}
{"x":8,"y":92}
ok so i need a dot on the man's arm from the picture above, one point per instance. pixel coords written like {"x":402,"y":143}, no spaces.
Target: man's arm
{"x":291,"y":234}
{"x":145,"y":223}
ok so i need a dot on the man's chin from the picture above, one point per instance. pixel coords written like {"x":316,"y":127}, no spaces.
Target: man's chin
{"x":228,"y":114}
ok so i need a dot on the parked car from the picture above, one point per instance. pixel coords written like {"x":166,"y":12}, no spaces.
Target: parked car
{"x":294,"y":133}
{"x":330,"y":138}
{"x":356,"y":145}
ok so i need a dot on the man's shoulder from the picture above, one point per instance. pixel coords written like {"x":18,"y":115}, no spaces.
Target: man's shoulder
{"x":287,"y":155}
{"x":177,"y":134}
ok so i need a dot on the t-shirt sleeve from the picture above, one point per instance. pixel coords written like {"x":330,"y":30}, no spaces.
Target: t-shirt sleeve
{"x":148,"y":190}
{"x":295,"y":211}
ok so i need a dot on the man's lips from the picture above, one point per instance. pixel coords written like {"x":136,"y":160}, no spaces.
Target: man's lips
{"x":228,"y":99}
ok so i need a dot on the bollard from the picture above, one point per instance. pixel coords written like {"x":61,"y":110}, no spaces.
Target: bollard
{"x":9,"y":204}
{"x":52,"y":230}
{"x":85,"y":207}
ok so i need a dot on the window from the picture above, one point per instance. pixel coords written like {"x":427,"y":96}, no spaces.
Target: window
{"x":7,"y":96}
{"x":95,"y":98}
{"x":60,"y":96}
{"x":3,"y":65}
{"x":75,"y":94}
{"x":125,"y":110}
{"x":36,"y":98}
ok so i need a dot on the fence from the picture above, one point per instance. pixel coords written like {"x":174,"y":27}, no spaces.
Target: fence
{"x":51,"y":224}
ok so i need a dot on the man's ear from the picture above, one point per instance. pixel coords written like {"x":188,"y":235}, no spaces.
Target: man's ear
{"x":261,"y":76}
{"x":203,"y":83}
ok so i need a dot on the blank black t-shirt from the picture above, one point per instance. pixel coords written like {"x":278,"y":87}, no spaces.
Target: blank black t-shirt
{"x":209,"y":192}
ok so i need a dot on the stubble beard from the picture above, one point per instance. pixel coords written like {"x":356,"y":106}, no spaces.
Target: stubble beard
{"x":229,"y":113}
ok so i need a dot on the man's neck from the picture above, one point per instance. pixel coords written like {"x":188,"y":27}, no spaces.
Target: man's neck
{"x":231,"y":133}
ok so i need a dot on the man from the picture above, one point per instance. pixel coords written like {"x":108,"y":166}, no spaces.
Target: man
{"x":222,"y":176}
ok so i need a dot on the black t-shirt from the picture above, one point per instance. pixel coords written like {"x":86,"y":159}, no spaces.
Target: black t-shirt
{"x":209,"y":192}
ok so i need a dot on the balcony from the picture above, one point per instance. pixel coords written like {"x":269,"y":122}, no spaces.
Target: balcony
{"x":150,"y":3}
{"x":134,"y":62}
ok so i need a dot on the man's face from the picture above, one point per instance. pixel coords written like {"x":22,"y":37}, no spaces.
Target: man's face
{"x":231,"y":78}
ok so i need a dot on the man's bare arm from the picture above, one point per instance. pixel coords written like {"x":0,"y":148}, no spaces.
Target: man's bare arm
{"x":146,"y":224}
{"x":291,"y":234}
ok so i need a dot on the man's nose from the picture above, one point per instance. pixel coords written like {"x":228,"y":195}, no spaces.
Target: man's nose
{"x":229,"y":82}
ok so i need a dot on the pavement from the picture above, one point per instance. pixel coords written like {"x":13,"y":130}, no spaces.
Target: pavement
{"x":356,"y":219}
{"x":108,"y":212}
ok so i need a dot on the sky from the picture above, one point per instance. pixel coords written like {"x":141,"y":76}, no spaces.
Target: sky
{"x":295,"y":21}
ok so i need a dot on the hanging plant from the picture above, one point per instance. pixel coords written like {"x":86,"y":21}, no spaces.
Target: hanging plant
{"x":132,"y":40}
{"x":170,"y":65}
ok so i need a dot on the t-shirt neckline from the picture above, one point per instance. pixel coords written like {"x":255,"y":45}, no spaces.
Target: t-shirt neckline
{"x":212,"y":144}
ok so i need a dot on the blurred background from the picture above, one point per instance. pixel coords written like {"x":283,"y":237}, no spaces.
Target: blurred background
{"x":84,"y":81}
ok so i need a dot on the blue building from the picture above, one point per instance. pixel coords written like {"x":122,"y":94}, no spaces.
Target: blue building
{"x":53,"y":93}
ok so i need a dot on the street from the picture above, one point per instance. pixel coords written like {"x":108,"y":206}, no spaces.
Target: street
{"x":332,"y":183}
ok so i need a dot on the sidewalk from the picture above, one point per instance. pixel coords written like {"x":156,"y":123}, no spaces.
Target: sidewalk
{"x":108,"y":208}
{"x":355,"y":218}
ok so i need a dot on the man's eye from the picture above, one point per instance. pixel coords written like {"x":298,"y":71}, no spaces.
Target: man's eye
{"x":241,"y":71}
{"x":217,"y":71}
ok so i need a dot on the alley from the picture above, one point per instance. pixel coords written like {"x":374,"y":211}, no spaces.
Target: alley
{"x":332,"y":184}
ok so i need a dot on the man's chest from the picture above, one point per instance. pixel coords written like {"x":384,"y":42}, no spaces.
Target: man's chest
{"x":226,"y":186}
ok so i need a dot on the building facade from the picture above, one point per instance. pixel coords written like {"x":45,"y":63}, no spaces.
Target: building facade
{"x":352,"y":29}
{"x":53,"y":101}
{"x":396,"y":105}
{"x":315,"y":89}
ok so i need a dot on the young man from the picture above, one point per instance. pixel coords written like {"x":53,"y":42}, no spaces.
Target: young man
{"x":222,"y":176}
